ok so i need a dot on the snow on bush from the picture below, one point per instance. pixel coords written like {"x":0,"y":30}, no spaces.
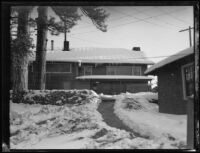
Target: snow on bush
{"x":53,"y":97}
{"x":30,"y":121}
{"x":138,"y":113}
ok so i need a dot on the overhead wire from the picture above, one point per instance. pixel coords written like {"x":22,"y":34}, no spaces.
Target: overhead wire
{"x":116,"y":19}
{"x":116,"y":26}
{"x":137,"y":17}
{"x":175,"y":17}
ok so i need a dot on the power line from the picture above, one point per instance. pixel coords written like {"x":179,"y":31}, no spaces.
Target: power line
{"x":158,"y":19}
{"x":138,"y":18}
{"x":89,"y":41}
{"x":116,"y":19}
{"x":132,"y":21}
{"x":175,"y":17}
{"x":190,"y":37}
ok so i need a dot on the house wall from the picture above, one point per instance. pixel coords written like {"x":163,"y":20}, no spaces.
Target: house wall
{"x":55,"y":80}
{"x":170,"y":88}
{"x":100,"y":69}
{"x":68,"y":81}
{"x":119,"y":86}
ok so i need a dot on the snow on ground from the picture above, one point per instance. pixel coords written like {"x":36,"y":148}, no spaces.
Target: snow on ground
{"x":35,"y":126}
{"x":137,"y":112}
{"x":70,"y":126}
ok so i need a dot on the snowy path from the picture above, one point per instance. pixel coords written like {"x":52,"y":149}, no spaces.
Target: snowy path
{"x":106,"y":108}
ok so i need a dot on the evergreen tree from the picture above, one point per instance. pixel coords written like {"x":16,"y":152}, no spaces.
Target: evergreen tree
{"x":20,"y":50}
{"x":40,"y":61}
{"x":97,"y":15}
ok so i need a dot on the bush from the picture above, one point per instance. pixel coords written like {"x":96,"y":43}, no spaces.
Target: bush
{"x":155,"y":89}
{"x":53,"y":97}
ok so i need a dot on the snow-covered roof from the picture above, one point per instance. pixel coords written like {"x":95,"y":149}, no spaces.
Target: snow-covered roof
{"x":98,"y":55}
{"x":121,"y":77}
{"x":170,"y":59}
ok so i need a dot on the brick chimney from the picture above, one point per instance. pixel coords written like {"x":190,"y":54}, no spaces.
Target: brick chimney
{"x":52,"y":45}
{"x":66,"y":46}
{"x":136,"y":49}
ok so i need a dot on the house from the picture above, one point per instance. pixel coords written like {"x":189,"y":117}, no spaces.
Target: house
{"x":105,"y":70}
{"x":175,"y":81}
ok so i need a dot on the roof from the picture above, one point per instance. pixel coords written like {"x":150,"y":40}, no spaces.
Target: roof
{"x":170,"y":59}
{"x":111,"y":77}
{"x":98,"y":55}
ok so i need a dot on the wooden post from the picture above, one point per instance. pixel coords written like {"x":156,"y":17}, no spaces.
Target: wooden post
{"x":190,"y":37}
{"x":190,"y":123}
{"x":196,"y":98}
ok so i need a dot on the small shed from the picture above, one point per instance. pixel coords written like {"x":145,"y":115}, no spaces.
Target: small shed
{"x":175,"y":81}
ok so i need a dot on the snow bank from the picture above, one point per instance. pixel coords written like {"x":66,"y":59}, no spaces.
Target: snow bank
{"x":143,"y":117}
{"x":69,"y":126}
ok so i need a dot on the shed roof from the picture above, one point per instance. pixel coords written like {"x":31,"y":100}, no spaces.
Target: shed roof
{"x":98,"y":55}
{"x":170,"y":59}
{"x":112,"y":77}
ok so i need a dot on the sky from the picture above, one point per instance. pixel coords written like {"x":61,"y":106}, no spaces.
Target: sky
{"x":155,"y":29}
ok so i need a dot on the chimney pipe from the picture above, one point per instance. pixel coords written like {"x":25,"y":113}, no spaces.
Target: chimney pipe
{"x":66,"y":46}
{"x":136,"y":49}
{"x":52,"y":43}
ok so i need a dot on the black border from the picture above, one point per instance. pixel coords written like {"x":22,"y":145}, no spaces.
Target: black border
{"x":5,"y":58}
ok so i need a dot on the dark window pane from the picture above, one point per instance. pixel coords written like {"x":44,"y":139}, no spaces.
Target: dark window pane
{"x":189,"y":84}
{"x":58,"y":67}
{"x":87,"y":70}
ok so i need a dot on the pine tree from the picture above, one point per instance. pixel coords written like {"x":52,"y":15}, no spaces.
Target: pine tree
{"x":20,"y":50}
{"x":40,"y":65}
{"x":97,"y":15}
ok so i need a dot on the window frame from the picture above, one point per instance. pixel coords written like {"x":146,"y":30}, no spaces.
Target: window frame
{"x":84,"y":68}
{"x":139,"y":69}
{"x":185,"y":97}
{"x":70,"y":68}
{"x":114,"y":68}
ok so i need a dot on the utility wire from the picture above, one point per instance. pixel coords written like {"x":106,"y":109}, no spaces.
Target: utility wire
{"x":89,"y":41}
{"x":116,"y":26}
{"x":138,"y":18}
{"x":116,"y":19}
{"x":158,"y":19}
{"x":175,"y":17}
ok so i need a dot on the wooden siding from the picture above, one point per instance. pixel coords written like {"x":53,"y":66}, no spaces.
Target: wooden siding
{"x":123,"y":69}
{"x":170,"y":89}
{"x":68,"y":80}
{"x":116,"y":87}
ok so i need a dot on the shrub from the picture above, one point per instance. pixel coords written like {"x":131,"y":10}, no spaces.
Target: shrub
{"x":53,"y":97}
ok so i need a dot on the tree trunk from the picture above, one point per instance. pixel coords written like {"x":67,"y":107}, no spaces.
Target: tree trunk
{"x":20,"y":76}
{"x":20,"y":66}
{"x":40,"y":66}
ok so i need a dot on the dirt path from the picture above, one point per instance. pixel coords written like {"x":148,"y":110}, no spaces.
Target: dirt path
{"x":106,"y":108}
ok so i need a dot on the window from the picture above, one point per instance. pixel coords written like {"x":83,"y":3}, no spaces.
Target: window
{"x":188,"y":80}
{"x":136,"y":70}
{"x":111,"y":70}
{"x":58,"y":68}
{"x":88,"y":70}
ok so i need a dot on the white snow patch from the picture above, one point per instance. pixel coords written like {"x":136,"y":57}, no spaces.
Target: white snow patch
{"x":143,"y":117}
{"x":74,"y":126}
